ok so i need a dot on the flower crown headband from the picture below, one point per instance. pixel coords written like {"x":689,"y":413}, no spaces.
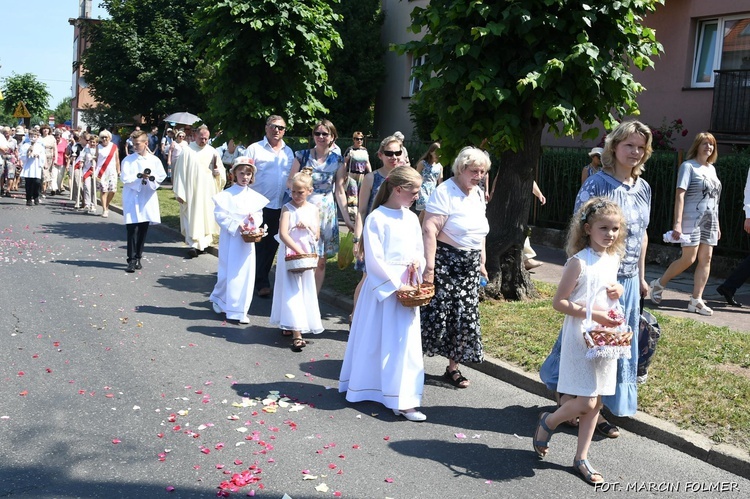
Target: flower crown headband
{"x":591,"y":210}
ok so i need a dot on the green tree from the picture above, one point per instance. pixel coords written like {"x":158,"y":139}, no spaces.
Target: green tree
{"x":140,"y":61}
{"x":25,"y":87}
{"x":359,"y":66}
{"x":264,"y":57}
{"x":63,"y":112}
{"x":503,"y":71}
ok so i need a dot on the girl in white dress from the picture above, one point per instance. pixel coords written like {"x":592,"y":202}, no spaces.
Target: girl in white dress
{"x":383,"y":359}
{"x":295,"y":299}
{"x":237,"y":209}
{"x":596,"y":240}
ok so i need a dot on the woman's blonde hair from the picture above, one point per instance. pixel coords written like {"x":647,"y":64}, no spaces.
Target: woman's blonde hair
{"x":588,"y":213}
{"x":620,"y":133}
{"x":388,"y":140}
{"x":469,"y":156}
{"x":401,"y":176}
{"x":303,"y":178}
{"x":699,"y":138}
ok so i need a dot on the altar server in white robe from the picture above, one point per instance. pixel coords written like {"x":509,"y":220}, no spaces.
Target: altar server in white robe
{"x":141,"y":174}
{"x":383,"y":359}
{"x":237,"y":209}
{"x":197,"y":177}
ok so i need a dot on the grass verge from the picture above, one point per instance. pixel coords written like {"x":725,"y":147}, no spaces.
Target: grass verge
{"x":699,"y":378}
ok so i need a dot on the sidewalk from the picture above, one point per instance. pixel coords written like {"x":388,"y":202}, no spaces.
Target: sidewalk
{"x":675,"y":296}
{"x":722,"y":456}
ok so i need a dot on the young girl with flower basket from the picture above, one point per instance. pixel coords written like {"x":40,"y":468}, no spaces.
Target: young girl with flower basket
{"x":383,"y":358}
{"x":588,"y":294}
{"x":295,"y":299}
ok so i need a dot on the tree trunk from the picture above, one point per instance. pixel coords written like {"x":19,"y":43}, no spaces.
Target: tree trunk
{"x":508,"y":214}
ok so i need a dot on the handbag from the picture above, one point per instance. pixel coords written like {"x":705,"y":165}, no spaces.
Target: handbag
{"x":648,"y":337}
{"x":605,"y":342}
{"x":346,"y":253}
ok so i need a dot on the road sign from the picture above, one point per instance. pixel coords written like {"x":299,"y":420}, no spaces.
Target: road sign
{"x":51,"y":120}
{"x":21,"y":111}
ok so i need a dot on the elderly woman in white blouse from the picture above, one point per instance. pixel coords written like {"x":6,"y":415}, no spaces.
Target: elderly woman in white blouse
{"x":455,"y":227}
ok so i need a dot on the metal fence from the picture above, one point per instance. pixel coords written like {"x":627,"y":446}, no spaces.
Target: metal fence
{"x":559,"y":178}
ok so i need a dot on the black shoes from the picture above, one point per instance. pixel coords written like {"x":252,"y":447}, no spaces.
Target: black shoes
{"x":138,"y":265}
{"x":131,"y":267}
{"x":728,"y":296}
{"x":193,"y":253}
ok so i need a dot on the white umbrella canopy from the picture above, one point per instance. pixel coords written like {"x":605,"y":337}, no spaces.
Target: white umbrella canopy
{"x":183,"y":118}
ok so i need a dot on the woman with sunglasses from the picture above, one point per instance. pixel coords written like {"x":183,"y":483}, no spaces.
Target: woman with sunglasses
{"x":357,"y":162}
{"x":329,"y":176}
{"x":454,"y":230}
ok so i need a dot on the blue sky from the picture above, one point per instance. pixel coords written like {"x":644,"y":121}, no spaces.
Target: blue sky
{"x":42,"y":43}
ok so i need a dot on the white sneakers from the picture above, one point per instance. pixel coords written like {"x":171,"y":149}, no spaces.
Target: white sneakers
{"x":655,"y":290}
{"x":697,"y":306}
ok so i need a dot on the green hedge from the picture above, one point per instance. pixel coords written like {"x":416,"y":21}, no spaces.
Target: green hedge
{"x":559,"y":178}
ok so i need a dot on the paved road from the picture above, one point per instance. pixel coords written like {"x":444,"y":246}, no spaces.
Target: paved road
{"x":95,"y":362}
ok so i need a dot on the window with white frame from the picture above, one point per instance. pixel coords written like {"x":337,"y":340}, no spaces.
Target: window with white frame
{"x":415,"y":84}
{"x":722,"y":43}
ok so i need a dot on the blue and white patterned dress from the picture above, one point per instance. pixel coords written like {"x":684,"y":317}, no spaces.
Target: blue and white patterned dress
{"x":324,"y":183}
{"x":635,"y":202}
{"x":430,"y":176}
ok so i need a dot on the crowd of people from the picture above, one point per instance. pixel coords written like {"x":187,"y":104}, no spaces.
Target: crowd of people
{"x":266,"y":202}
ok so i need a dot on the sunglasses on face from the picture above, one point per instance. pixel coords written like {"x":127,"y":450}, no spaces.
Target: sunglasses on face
{"x":322,"y":134}
{"x":393,"y":153}
{"x":280,"y":128}
{"x":359,"y":138}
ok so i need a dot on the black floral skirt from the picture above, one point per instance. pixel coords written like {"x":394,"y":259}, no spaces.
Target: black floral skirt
{"x":450,"y":322}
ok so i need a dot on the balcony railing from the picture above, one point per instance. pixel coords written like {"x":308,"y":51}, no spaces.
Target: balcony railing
{"x":730,"y":114}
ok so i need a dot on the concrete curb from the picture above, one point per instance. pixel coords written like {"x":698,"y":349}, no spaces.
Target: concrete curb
{"x":723,"y":456}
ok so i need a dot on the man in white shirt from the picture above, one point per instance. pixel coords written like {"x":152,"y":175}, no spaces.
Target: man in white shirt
{"x":273,"y":160}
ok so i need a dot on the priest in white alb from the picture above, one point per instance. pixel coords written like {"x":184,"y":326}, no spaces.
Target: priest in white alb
{"x":197,"y":177}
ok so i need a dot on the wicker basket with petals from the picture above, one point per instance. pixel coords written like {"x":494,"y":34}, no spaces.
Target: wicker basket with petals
{"x":418,"y":297}
{"x":301,"y":262}
{"x":253,"y":237}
